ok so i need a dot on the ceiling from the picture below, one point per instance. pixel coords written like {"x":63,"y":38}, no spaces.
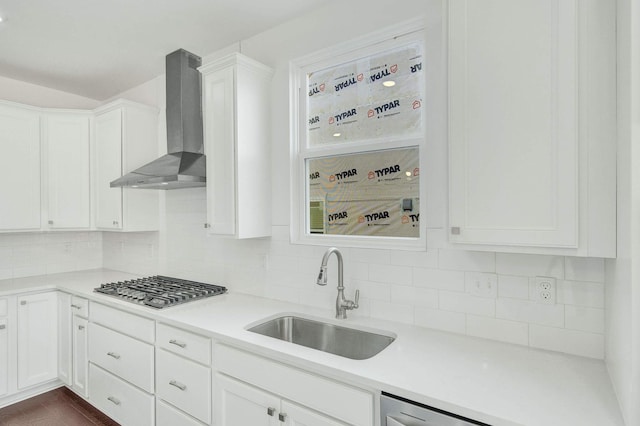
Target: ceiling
{"x":98,"y":49}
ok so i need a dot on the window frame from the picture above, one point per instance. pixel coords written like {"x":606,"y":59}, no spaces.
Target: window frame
{"x":392,"y":37}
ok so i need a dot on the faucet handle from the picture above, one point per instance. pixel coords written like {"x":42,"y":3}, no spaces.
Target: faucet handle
{"x":355,"y":304}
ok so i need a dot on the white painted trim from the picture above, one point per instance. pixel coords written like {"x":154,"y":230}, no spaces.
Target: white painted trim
{"x":385,"y":39}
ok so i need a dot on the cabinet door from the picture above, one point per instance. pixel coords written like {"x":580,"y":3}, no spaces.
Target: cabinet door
{"x":65,"y":357}
{"x":80,"y":358}
{"x":513,"y":128}
{"x":220,"y":137}
{"x":295,"y":415}
{"x":68,"y":177}
{"x":238,"y":404}
{"x":20,"y":169}
{"x":37,"y":338}
{"x":4,"y":357}
{"x":108,"y":137}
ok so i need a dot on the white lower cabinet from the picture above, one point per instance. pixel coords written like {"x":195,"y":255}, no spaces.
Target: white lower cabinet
{"x":184,"y":384}
{"x":124,"y":356}
{"x":121,"y":366}
{"x":37,"y":338}
{"x":4,"y":356}
{"x":295,"y":415}
{"x":293,"y":396}
{"x":80,"y":356}
{"x":73,"y":361}
{"x":239,"y":404}
{"x":166,"y":415}
{"x":120,"y":400}
{"x":65,"y":340}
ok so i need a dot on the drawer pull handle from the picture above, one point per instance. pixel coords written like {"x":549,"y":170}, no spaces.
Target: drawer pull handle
{"x":114,"y":400}
{"x":271,"y":411}
{"x":3,"y":326}
{"x":113,"y":355}
{"x":76,"y":306}
{"x":175,"y":342}
{"x":23,"y":302}
{"x":178,"y":385}
{"x":81,"y":327}
{"x":282,"y":417}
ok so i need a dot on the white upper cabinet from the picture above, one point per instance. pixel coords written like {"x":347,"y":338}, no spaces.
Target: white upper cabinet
{"x":236,"y":125}
{"x":532,"y":126}
{"x":20,"y":168}
{"x":126,"y":137}
{"x":67,"y":140}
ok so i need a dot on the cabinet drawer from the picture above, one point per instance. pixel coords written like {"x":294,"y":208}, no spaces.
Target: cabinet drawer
{"x":184,"y":343}
{"x":3,"y":307}
{"x":119,"y":400}
{"x":185,"y":384}
{"x":349,"y":404}
{"x":122,"y":355}
{"x":166,"y":415}
{"x":80,"y":306}
{"x":124,"y":322}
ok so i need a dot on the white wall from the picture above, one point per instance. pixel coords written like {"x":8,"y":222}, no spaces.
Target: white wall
{"x":427,"y":289}
{"x":623,"y":295}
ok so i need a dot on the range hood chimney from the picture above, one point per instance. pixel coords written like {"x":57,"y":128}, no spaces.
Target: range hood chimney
{"x":184,"y":165}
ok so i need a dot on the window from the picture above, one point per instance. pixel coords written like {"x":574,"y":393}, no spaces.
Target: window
{"x":359,"y":143}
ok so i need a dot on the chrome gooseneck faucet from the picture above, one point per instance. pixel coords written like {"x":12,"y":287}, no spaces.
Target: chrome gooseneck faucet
{"x":342,"y":304}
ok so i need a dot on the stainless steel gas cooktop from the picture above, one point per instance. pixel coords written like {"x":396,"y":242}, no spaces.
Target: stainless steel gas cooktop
{"x":159,"y":291}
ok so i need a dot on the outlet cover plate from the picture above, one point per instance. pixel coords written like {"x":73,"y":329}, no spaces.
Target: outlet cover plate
{"x":481,"y":284}
{"x":543,"y":290}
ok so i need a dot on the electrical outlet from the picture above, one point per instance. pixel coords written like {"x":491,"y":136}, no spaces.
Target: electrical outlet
{"x":543,"y":290}
{"x":481,"y":284}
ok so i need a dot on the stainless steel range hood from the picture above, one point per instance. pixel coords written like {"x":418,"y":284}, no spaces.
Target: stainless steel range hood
{"x":184,"y":165}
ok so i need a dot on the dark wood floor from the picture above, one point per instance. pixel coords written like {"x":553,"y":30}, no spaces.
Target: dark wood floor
{"x":59,"y":407}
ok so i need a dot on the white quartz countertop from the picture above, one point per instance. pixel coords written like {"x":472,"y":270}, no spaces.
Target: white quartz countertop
{"x":493,"y":382}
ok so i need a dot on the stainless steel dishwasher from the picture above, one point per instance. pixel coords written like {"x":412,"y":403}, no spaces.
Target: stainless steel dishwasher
{"x":397,"y":411}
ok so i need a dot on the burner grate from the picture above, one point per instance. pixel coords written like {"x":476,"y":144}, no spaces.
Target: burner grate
{"x":160,"y":291}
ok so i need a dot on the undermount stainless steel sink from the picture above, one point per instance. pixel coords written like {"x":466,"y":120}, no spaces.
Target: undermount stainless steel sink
{"x":343,"y":341}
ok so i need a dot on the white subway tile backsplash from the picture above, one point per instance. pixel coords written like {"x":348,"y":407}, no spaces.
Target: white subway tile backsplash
{"x":422,"y":259}
{"x":581,"y":293}
{"x":529,"y":265}
{"x":390,"y":274}
{"x":513,"y":287}
{"x":466,"y":303}
{"x":422,"y":288}
{"x":584,"y":269}
{"x":439,"y":279}
{"x":498,"y":329}
{"x":6,"y":273}
{"x":530,"y":312}
{"x":461,"y":260}
{"x":419,"y":297}
{"x":585,"y":319}
{"x":568,"y":341}
{"x":370,"y":256}
{"x":356,"y":270}
{"x":392,"y":311}
{"x":453,"y":322}
{"x":372,"y":290}
{"x":282,"y":263}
